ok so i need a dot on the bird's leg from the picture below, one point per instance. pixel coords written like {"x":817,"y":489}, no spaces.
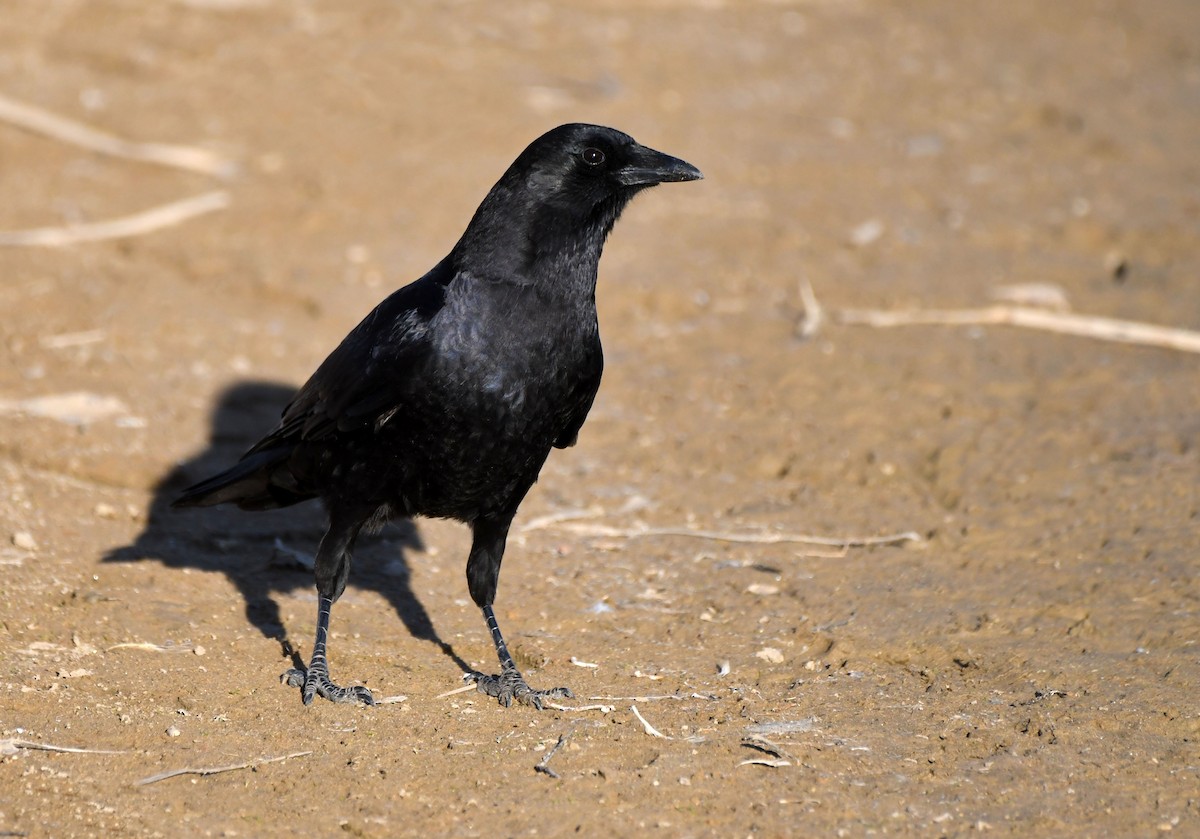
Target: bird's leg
{"x":316,"y":681}
{"x":510,"y":684}
{"x":332,"y":567}
{"x":483,"y":573}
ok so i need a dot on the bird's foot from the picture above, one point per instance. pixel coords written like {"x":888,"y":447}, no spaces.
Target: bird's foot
{"x":316,"y":682}
{"x":510,"y":685}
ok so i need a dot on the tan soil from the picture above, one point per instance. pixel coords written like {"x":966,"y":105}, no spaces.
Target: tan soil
{"x":1031,"y":666}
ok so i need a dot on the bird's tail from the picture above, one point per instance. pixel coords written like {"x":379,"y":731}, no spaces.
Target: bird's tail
{"x":259,"y":481}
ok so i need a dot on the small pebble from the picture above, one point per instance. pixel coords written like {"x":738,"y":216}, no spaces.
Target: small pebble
{"x":762,"y":589}
{"x":173,"y":732}
{"x":867,"y":232}
{"x":24,"y":541}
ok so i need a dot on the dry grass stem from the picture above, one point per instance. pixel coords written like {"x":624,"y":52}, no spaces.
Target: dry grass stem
{"x":67,"y":340}
{"x":216,"y":770}
{"x":651,"y":730}
{"x":43,"y":122}
{"x":462,"y":689}
{"x":762,"y":744}
{"x":812,"y":315}
{"x":641,"y":531}
{"x":541,"y":764}
{"x":604,"y":709}
{"x":774,"y":764}
{"x":152,"y":648}
{"x":11,"y":746}
{"x":1087,"y":326}
{"x":552,"y":519}
{"x":782,"y":727}
{"x":148,"y":221}
{"x":654,"y":698}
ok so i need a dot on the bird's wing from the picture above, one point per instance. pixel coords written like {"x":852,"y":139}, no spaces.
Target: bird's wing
{"x":363,"y":381}
{"x":585,"y":394}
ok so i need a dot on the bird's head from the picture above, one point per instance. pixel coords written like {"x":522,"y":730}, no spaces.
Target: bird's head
{"x":574,"y":169}
{"x":566,"y":190}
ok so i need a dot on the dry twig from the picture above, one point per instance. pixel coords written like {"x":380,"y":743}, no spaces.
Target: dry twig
{"x":655,"y":698}
{"x":1067,"y":323}
{"x":43,"y":122}
{"x":774,"y":764}
{"x":462,"y":689}
{"x":558,"y":517}
{"x":541,"y":764}
{"x":651,"y":730}
{"x":762,"y":744}
{"x":216,"y":770}
{"x":165,"y":215}
{"x":67,"y":340}
{"x":782,"y":727}
{"x":604,"y":709}
{"x":185,"y":647}
{"x":812,"y":315}
{"x":12,"y":746}
{"x":641,"y":531}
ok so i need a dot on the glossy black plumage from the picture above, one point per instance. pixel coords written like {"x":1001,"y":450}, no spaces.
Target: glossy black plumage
{"x":447,"y":398}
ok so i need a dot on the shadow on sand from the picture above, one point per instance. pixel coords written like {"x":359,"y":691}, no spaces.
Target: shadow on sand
{"x":259,"y":552}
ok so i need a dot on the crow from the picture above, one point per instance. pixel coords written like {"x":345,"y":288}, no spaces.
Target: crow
{"x":446,"y":400}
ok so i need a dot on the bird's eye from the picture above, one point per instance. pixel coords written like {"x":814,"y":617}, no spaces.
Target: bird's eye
{"x":593,"y":157}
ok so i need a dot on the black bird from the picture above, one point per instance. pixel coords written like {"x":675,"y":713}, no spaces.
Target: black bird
{"x":446,"y":399}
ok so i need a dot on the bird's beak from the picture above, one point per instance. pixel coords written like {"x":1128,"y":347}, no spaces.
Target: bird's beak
{"x":648,"y":167}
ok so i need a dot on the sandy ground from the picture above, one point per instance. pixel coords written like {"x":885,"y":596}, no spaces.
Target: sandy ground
{"x":1030,"y":665}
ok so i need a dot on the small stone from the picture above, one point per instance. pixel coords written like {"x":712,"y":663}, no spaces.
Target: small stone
{"x":762,"y":589}
{"x":867,"y":232}
{"x":105,"y":511}
{"x":173,"y":732}
{"x":770,"y":654}
{"x":199,"y":650}
{"x":24,"y":541}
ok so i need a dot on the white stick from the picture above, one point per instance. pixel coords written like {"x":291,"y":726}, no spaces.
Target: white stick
{"x":66,"y":130}
{"x":462,"y":689}
{"x":10,"y":746}
{"x":813,"y":315}
{"x":641,"y":531}
{"x":119,"y":228}
{"x":604,"y":709}
{"x":1067,"y":323}
{"x":215,"y":770}
{"x":651,"y":730}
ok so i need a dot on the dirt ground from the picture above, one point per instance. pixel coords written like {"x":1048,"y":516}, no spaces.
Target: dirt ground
{"x":1030,"y":665}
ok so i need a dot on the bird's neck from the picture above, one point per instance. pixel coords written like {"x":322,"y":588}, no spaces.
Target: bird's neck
{"x":556,"y":251}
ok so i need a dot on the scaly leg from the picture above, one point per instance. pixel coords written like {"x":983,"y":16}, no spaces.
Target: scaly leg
{"x":510,"y":684}
{"x":332,"y":569}
{"x":316,"y":680}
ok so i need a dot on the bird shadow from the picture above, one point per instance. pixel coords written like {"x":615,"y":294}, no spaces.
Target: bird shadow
{"x":268,"y":552}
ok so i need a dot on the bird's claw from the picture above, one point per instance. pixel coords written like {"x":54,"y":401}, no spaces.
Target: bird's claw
{"x":316,"y":682}
{"x":510,"y":685}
